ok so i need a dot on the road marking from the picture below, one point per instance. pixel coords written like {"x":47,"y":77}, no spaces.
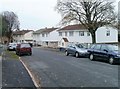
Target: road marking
{"x":31,"y":75}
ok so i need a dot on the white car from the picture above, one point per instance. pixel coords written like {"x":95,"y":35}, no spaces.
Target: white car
{"x":12,"y":46}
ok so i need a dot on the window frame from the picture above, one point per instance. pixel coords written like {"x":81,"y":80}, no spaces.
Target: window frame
{"x":81,"y":33}
{"x":108,"y":33}
{"x":71,"y":33}
{"x":60,"y":33}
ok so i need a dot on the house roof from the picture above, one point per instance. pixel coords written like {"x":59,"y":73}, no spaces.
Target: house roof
{"x":73,"y":27}
{"x":21,"y":32}
{"x":45,"y":30}
{"x":65,"y":39}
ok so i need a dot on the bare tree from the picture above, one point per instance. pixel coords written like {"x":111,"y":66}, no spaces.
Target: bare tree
{"x":92,"y":14}
{"x":10,"y":22}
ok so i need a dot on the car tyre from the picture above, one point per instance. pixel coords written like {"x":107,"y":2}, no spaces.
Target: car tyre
{"x":76,"y":54}
{"x":111,"y":60}
{"x":91,"y":57}
{"x":66,"y":53}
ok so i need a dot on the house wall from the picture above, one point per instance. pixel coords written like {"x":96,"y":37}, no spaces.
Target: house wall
{"x":87,"y":40}
{"x":18,"y":38}
{"x":102,"y":38}
{"x":53,"y":44}
{"x":50,"y":39}
{"x":37,"y":39}
{"x":62,"y":44}
{"x":76,"y":37}
{"x":28,"y":37}
{"x":22,"y":38}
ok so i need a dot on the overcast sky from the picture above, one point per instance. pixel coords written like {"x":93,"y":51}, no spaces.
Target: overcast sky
{"x":34,"y":14}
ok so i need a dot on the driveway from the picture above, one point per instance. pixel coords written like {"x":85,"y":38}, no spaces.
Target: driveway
{"x":54,"y":69}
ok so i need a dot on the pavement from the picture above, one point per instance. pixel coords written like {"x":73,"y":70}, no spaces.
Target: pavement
{"x":14,"y":75}
{"x":54,"y":69}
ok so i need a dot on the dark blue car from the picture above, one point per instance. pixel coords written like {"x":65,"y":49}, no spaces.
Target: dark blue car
{"x":107,"y":52}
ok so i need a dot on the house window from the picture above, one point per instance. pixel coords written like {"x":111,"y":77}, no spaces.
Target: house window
{"x":43,"y":35}
{"x":65,"y":33}
{"x":88,"y":33}
{"x":71,"y":33}
{"x":81,"y":33}
{"x":60,"y":33}
{"x":108,"y":33}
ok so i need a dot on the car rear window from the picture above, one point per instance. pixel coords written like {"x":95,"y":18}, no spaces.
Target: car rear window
{"x":25,"y":45}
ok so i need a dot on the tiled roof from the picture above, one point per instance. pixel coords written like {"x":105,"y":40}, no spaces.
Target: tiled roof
{"x":21,"y":32}
{"x":73,"y":27}
{"x":44,"y":30}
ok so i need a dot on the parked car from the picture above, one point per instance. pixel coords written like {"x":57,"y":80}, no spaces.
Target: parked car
{"x":23,"y":48}
{"x":104,"y":52}
{"x":76,"y":49}
{"x":12,"y":46}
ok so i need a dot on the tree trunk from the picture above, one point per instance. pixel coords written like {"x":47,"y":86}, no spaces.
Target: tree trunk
{"x":93,"y":37}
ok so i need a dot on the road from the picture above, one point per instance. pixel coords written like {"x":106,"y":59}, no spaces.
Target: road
{"x":54,"y":69}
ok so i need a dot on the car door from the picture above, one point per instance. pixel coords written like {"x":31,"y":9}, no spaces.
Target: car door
{"x":104,"y":52}
{"x":73,"y":50}
{"x":68,"y":48}
{"x":96,"y":51}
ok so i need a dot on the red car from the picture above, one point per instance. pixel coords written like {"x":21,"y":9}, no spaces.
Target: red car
{"x":23,"y":48}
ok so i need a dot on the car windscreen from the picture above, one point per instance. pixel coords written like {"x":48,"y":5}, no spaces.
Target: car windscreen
{"x":25,"y":45}
{"x":79,"y":46}
{"x":113,"y":47}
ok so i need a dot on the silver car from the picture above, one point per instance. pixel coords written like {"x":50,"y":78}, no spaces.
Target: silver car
{"x":77,"y":50}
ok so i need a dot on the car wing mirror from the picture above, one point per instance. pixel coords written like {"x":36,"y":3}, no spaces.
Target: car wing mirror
{"x":105,"y":50}
{"x":74,"y":47}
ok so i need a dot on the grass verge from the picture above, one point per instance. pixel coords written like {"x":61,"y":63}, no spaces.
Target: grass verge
{"x":11,"y":54}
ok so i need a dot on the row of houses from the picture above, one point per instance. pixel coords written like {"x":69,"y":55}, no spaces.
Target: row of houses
{"x":61,"y":37}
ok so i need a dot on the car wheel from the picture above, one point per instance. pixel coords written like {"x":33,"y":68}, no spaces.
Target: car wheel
{"x":76,"y":54}
{"x":111,"y":60}
{"x":66,"y":53}
{"x":91,"y":57}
